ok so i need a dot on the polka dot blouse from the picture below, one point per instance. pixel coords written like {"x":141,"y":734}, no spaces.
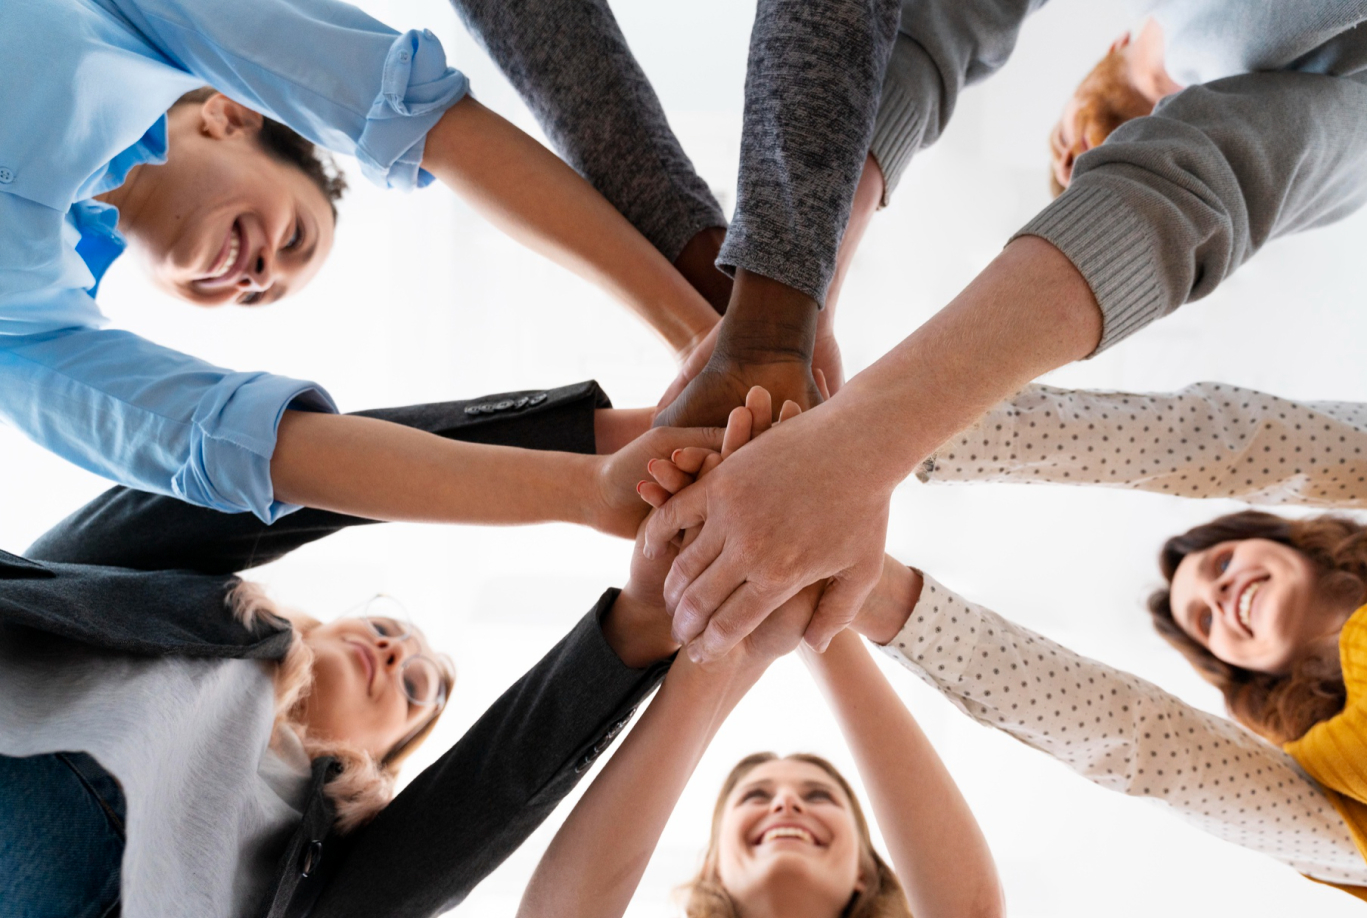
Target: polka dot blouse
{"x":1119,"y":731}
{"x":1208,"y":440}
{"x":1126,"y":734}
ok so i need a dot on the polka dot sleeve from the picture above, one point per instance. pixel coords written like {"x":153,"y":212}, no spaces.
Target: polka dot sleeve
{"x":1208,"y":440}
{"x":1125,"y":734}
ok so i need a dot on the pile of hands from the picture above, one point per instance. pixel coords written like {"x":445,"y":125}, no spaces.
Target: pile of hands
{"x":654,"y":580}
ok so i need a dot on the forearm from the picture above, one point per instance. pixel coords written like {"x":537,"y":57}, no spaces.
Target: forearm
{"x":596,"y":860}
{"x":936,"y":845}
{"x":1028,"y":312}
{"x":533,"y":196}
{"x":378,"y":470}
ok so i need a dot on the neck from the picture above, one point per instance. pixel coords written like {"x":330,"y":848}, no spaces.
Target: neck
{"x":131,"y":198}
{"x":785,"y":900}
{"x":1146,"y":58}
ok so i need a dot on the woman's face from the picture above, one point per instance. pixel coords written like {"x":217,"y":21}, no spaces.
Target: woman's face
{"x":223,"y":221}
{"x":357,"y":695}
{"x":1254,"y":603}
{"x":788,"y":829}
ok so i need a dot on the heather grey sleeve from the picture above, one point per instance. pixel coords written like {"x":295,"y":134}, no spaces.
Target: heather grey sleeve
{"x":942,"y":46}
{"x":1173,"y":203}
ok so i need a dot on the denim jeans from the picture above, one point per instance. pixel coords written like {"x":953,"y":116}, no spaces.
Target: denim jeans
{"x":61,"y":837}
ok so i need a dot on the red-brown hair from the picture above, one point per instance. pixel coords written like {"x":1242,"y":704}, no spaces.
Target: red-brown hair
{"x":1278,"y":707}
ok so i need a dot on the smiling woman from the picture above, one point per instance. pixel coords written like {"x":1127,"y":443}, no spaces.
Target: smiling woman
{"x":243,"y":213}
{"x":1257,"y":604}
{"x":792,"y":828}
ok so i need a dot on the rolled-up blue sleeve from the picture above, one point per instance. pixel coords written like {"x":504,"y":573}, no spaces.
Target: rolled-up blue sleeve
{"x":334,"y":74}
{"x":150,"y":417}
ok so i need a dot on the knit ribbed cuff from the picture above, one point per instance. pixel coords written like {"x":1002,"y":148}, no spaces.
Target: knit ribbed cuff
{"x":900,"y":125}
{"x":1108,"y":243}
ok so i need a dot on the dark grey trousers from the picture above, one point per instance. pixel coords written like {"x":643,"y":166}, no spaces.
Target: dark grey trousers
{"x":811,"y":94}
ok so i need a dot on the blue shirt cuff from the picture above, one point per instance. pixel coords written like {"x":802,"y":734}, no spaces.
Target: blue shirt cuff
{"x":232,"y":439}
{"x":416,"y":89}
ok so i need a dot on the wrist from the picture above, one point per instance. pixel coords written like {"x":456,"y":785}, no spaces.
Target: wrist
{"x":888,"y":607}
{"x":638,"y":631}
{"x":767,"y":321}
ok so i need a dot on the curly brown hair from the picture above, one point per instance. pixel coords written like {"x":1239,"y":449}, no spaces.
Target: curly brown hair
{"x":881,"y":897}
{"x":1280,"y":708}
{"x":290,"y":148}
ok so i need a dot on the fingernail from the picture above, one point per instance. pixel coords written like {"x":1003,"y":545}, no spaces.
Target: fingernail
{"x":650,"y":466}
{"x":639,"y":485}
{"x":674,"y":456}
{"x":695,"y":654}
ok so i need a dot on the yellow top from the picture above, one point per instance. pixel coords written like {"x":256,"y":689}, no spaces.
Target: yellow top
{"x":1334,"y":751}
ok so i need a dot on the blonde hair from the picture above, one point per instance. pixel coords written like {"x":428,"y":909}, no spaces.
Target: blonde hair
{"x":366,"y":784}
{"x":881,"y":897}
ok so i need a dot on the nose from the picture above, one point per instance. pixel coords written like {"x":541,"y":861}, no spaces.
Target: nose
{"x":259,"y":273}
{"x":392,"y":652}
{"x":786,"y":801}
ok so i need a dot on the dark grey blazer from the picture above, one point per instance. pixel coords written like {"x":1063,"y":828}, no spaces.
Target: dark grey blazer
{"x":146,"y":574}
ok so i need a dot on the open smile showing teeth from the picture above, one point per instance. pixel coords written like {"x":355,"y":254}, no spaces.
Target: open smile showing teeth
{"x":1245,"y":607}
{"x":787,"y":832}
{"x":228,"y":260}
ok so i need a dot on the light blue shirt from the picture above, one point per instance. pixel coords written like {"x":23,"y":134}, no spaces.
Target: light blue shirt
{"x":86,"y":87}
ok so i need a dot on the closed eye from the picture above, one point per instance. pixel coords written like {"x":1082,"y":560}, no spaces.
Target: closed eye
{"x":297,"y":239}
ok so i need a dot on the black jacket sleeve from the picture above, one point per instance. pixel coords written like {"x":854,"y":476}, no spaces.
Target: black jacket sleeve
{"x":459,"y":819}
{"x":134,"y":529}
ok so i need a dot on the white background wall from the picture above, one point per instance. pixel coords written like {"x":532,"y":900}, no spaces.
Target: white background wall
{"x":424,"y":302}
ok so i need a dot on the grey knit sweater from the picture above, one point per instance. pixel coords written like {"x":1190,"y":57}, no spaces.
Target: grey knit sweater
{"x":1269,"y":137}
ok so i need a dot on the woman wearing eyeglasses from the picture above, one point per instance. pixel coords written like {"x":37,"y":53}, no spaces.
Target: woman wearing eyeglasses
{"x":172,"y":743}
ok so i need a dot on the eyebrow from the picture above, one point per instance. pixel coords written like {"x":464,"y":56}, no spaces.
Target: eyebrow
{"x":767,"y":783}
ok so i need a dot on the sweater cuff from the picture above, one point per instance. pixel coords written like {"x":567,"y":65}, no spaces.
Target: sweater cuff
{"x":1110,"y":246}
{"x":900,"y":126}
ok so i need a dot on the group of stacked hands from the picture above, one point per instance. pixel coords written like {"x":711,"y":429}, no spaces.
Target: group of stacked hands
{"x":1211,"y":129}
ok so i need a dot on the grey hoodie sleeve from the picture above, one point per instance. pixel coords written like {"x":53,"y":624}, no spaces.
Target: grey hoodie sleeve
{"x":1172,"y":204}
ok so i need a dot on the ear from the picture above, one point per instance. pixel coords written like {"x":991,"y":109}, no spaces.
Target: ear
{"x":1122,"y":42}
{"x":221,"y":118}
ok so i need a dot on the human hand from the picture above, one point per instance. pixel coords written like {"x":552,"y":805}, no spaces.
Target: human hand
{"x":616,"y":508}
{"x":826,"y":361}
{"x":782,"y":630}
{"x":765,"y":339}
{"x":796,"y":507}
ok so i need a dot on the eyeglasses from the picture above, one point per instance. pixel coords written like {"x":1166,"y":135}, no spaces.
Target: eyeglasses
{"x":421,"y":678}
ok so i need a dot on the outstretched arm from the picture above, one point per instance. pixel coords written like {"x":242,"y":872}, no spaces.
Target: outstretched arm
{"x":1207,"y":440}
{"x":131,"y":528}
{"x":383,"y":471}
{"x":529,"y":193}
{"x":938,"y":851}
{"x":1113,"y":728}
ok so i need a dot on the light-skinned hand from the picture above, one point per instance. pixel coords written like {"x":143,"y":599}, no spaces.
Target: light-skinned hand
{"x":748,"y":558}
{"x":616,"y":508}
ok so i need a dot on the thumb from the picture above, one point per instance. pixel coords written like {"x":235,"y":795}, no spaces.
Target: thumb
{"x":844,"y":596}
{"x":684,"y":510}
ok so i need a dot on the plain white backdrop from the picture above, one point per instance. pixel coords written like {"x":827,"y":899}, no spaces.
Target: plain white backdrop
{"x":423,"y":301}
